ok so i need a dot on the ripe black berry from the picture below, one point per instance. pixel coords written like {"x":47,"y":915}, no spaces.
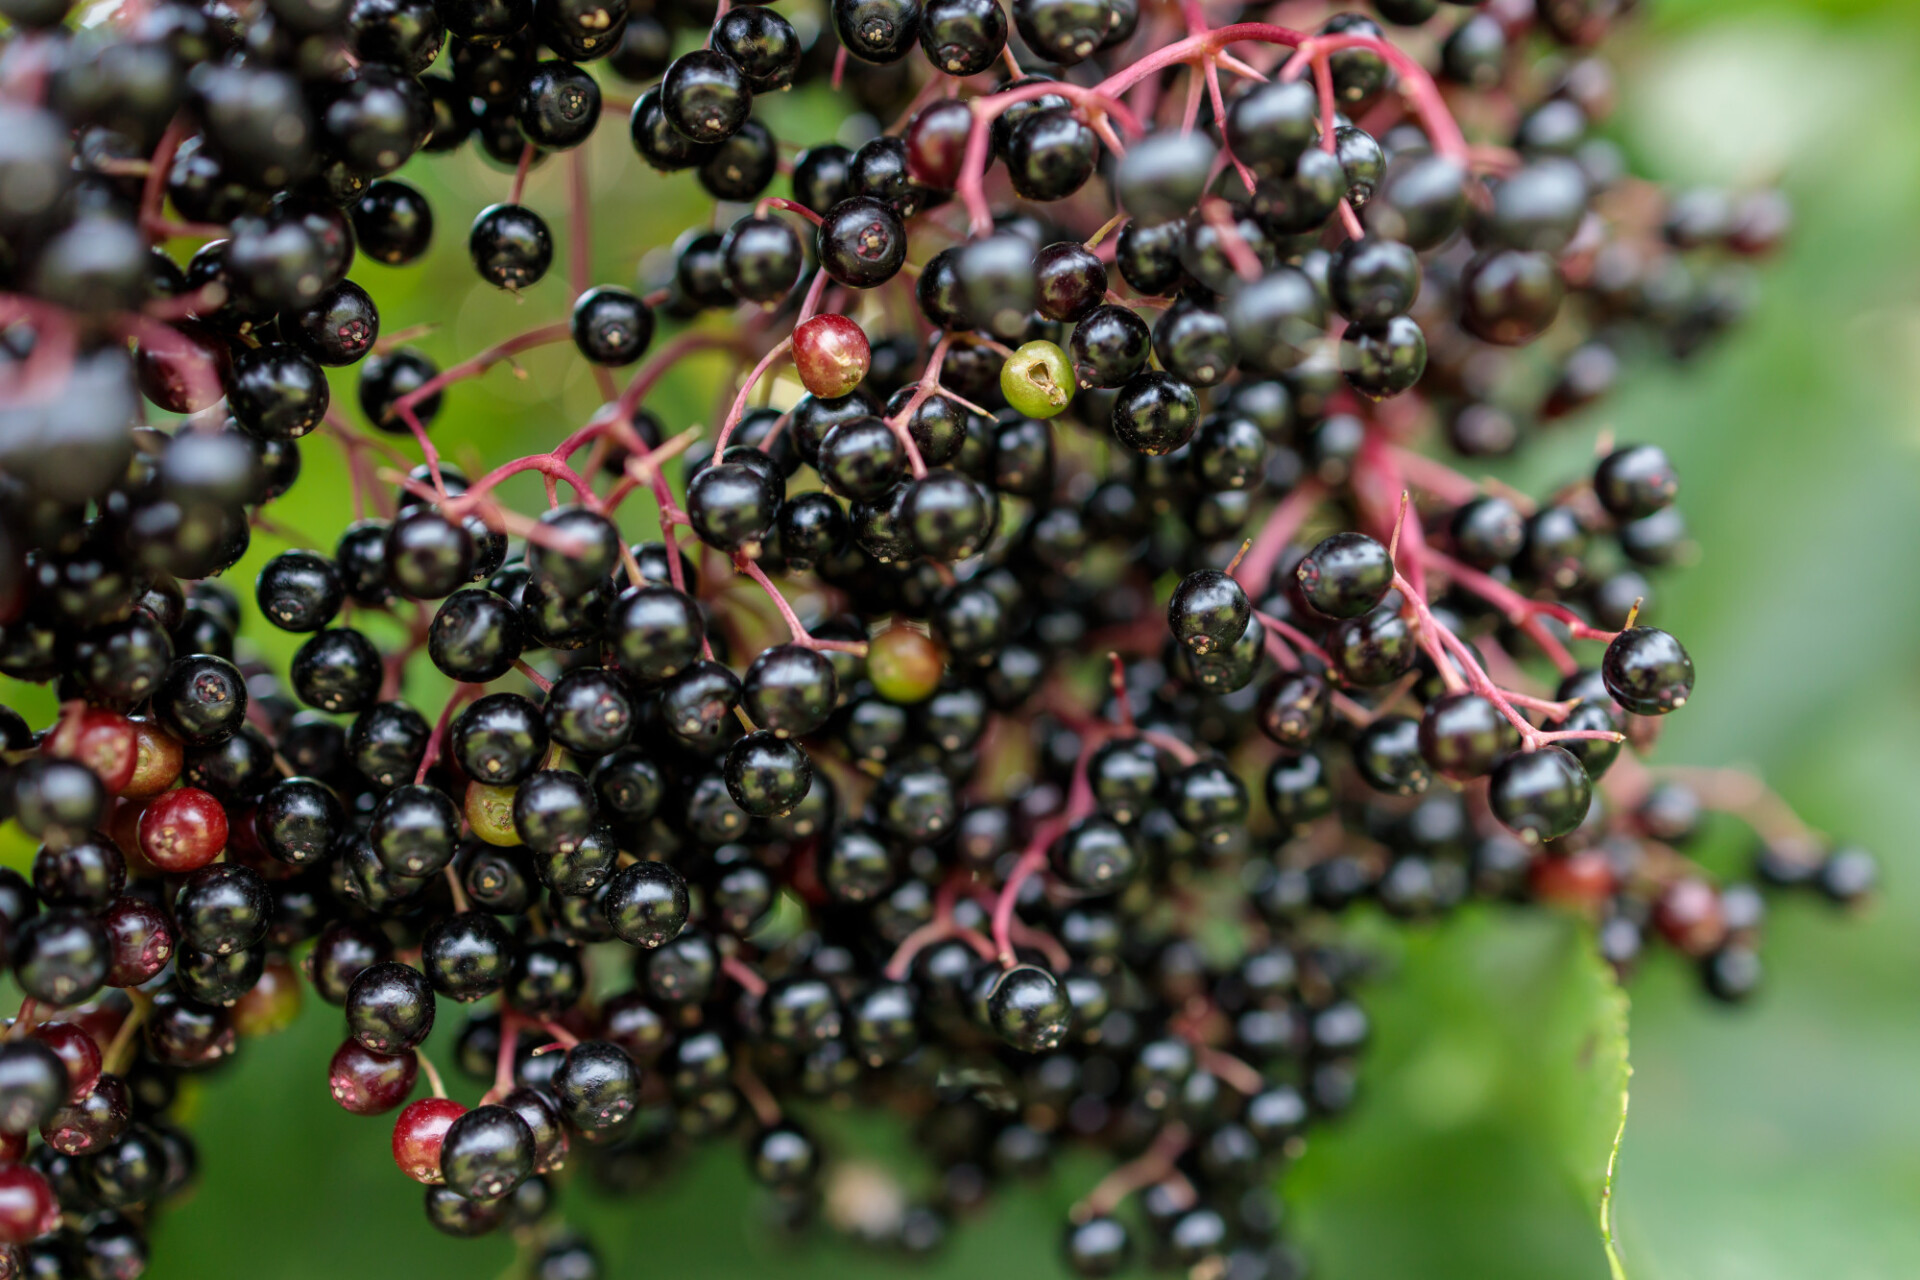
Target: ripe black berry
{"x":1647,"y":671}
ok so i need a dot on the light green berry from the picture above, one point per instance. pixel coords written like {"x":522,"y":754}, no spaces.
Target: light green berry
{"x":1038,"y":380}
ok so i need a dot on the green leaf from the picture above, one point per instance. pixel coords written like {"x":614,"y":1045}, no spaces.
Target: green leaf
{"x":1492,"y":1102}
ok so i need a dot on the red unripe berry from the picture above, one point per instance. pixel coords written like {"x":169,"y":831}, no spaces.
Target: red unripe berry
{"x":183,"y":830}
{"x":368,"y":1083}
{"x":936,"y":141}
{"x":27,"y":1207}
{"x":139,"y":940}
{"x":158,"y":761}
{"x":77,"y":1051}
{"x":244,"y":847}
{"x":181,"y":366}
{"x":104,"y":1015}
{"x":1688,"y":916}
{"x":831,"y":354}
{"x":271,"y":1004}
{"x":418,"y":1135}
{"x":102,"y":740}
{"x":1582,"y":879}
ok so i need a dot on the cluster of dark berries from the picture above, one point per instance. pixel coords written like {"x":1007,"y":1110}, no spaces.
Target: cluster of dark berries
{"x":1043,"y":675}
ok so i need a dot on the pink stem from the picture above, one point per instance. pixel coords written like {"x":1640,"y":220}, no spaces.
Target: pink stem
{"x":461,"y":692}
{"x":1246,"y":264}
{"x":520,"y":174}
{"x":1293,"y":636}
{"x":579,"y":220}
{"x":1256,"y":567}
{"x":792,"y":206}
{"x":811,"y":303}
{"x":801,"y":636}
{"x":744,"y":975}
{"x":971,"y":186}
{"x":1422,"y":93}
{"x":1436,"y":477}
{"x":746,"y":388}
{"x":471,"y":368}
{"x":935,"y":930}
{"x":1179,"y":750}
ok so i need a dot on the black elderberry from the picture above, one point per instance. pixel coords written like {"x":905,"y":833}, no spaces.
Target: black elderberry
{"x":1095,"y":856}
{"x":499,"y":739}
{"x":338,"y":670}
{"x":877,"y":31}
{"x":1345,"y":575}
{"x":1372,"y":280}
{"x":705,"y":96}
{"x":1635,"y":481}
{"x":1303,"y":196}
{"x":789,"y":690}
{"x":1063,"y":32}
{"x":1421,"y":202}
{"x":589,"y":712}
{"x":558,"y":106}
{"x":1647,"y":671}
{"x":580,"y":30}
{"x":223,"y":908}
{"x":1274,"y":322}
{"x":300,"y":591}
{"x":1155,"y":413}
{"x":339,"y":328}
{"x":202,"y":700}
{"x":1387,"y":755}
{"x":659,"y":142}
{"x":554,"y":811}
{"x":861,"y":242}
{"x":1109,"y":345}
{"x":761,"y":259}
{"x":611,"y":326}
{"x":962,"y":37}
{"x":1510,"y":296}
{"x":1050,"y":155}
{"x":1385,"y":359}
{"x":647,"y":904}
{"x":732,"y":507}
{"x":1541,"y":794}
{"x":387,"y":743}
{"x":500,"y":880}
{"x":510,"y":246}
{"x":467,"y":956}
{"x":1028,"y":1009}
{"x":427,"y":555}
{"x":1163,"y":177}
{"x":1463,"y":735}
{"x":1538,"y":207}
{"x":1270,"y":127}
{"x":597,"y":1086}
{"x":486,"y":1153}
{"x":276,"y":392}
{"x":475,"y":635}
{"x":414,"y":830}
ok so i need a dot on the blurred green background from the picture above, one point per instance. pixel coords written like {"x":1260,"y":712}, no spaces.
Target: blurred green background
{"x":1782,"y":1140}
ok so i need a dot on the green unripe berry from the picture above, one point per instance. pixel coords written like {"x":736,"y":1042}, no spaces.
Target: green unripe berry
{"x":905,"y":665}
{"x":1038,"y":380}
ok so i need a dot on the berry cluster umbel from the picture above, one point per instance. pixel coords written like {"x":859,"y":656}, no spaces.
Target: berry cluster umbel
{"x":977,"y":830}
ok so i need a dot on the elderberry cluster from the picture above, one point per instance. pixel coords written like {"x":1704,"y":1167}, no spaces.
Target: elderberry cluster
{"x":1078,"y":634}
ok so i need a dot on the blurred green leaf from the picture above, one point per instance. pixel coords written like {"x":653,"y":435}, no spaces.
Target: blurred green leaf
{"x":1492,"y":1095}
